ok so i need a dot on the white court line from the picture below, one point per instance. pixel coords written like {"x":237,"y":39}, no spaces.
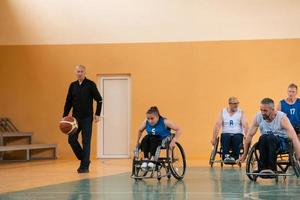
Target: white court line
{"x":270,"y":191}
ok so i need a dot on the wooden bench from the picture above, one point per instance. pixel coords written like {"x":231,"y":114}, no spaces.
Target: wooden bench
{"x":7,"y":137}
{"x":29,"y":148}
{"x":9,"y":132}
{"x":15,"y":136}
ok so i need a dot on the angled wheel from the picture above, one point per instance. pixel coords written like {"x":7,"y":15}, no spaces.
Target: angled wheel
{"x":136,"y":169}
{"x":295,"y":163}
{"x":177,"y":161}
{"x":252,"y":162}
{"x":214,"y":153}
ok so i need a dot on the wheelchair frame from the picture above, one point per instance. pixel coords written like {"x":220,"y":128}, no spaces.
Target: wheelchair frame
{"x":166,"y":162}
{"x":284,"y":161}
{"x":218,"y":150}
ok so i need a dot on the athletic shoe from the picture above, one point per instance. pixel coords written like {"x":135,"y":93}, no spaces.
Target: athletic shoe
{"x":83,"y":170}
{"x":229,"y":159}
{"x":144,"y":166}
{"x":151,"y":165}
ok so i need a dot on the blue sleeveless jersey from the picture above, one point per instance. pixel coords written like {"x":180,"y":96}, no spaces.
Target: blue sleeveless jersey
{"x":292,"y":111}
{"x":159,"y":128}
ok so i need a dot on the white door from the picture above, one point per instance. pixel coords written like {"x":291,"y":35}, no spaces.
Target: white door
{"x":114,"y":128}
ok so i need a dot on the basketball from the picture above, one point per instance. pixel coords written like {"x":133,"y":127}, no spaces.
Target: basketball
{"x":68,"y":125}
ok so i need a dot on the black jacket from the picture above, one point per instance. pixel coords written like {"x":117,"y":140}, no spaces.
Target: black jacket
{"x":80,"y":98}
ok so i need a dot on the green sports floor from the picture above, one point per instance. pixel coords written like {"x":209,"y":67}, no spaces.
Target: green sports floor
{"x":199,"y":183}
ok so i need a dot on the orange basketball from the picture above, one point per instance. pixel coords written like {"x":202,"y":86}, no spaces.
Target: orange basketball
{"x":68,"y":125}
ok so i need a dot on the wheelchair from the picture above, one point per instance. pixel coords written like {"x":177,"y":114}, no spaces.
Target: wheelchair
{"x":284,"y":161}
{"x":167,"y":162}
{"x":218,"y":150}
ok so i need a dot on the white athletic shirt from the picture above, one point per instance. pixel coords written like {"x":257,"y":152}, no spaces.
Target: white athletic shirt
{"x":232,"y":124}
{"x":273,"y":127}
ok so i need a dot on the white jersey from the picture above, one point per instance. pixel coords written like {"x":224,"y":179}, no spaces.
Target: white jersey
{"x":232,"y":124}
{"x":273,"y":127}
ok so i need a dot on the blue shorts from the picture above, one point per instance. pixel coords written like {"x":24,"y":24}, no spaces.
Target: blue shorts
{"x":283,"y":145}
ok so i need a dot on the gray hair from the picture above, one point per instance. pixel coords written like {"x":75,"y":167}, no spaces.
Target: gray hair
{"x":231,"y":99}
{"x":268,"y":101}
{"x":81,"y":66}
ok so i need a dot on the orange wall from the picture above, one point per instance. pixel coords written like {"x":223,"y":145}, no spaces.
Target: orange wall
{"x":190,"y":82}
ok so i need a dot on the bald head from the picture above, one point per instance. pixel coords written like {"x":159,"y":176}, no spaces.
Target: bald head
{"x":80,"y":72}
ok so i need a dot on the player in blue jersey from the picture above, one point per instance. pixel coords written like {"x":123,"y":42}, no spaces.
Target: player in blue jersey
{"x":291,"y":107}
{"x":157,"y":128}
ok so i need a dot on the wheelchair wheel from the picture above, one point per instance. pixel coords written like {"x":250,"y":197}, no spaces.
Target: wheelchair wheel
{"x":177,"y":162}
{"x":214,"y":153}
{"x":295,"y":163}
{"x":252,"y":162}
{"x":136,"y":171}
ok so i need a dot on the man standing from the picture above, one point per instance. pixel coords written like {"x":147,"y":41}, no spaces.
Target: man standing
{"x":291,"y":107}
{"x":80,"y":97}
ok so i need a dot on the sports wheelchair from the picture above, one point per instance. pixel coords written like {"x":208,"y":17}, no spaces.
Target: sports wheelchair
{"x":284,"y":161}
{"x":218,"y":150}
{"x":172,"y":160}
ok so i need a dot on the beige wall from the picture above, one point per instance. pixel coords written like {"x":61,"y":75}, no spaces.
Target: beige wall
{"x":119,"y":21}
{"x":190,"y":82}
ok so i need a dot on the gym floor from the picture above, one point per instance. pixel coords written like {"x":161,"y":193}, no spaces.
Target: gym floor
{"x":110,"y":179}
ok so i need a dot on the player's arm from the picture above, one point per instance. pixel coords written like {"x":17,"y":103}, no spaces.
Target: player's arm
{"x":217,"y":128}
{"x":244,"y":124}
{"x":252,"y":131}
{"x":140,"y":131}
{"x":174,"y":127}
{"x":68,"y":103}
{"x":98,"y":98}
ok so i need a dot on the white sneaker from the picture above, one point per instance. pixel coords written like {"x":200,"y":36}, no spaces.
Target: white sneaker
{"x":151,"y":165}
{"x":144,"y":166}
{"x":227,"y":158}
